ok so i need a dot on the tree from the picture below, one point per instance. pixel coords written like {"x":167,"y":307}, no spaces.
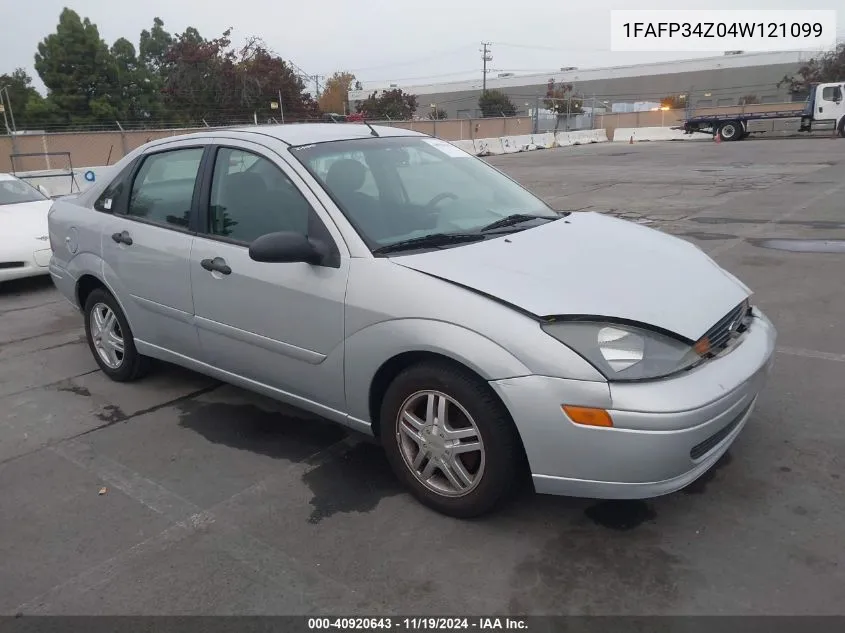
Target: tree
{"x":78,"y":70}
{"x":561,"y":100}
{"x":437,"y":114}
{"x":335,"y":97}
{"x":673,"y":102}
{"x":207,"y":80}
{"x":495,"y":103}
{"x":152,"y":49}
{"x":20,"y":92}
{"x":194,"y":74}
{"x":748,"y":100}
{"x":827,"y":67}
{"x":153,"y":46}
{"x":391,"y":104}
{"x":260,"y":76}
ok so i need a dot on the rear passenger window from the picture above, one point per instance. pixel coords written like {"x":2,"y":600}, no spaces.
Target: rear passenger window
{"x":112,"y":193}
{"x":251,"y":196}
{"x":164,"y":187}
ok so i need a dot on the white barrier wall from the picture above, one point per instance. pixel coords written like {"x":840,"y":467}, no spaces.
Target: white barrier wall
{"x":488,"y":146}
{"x":625,"y":134}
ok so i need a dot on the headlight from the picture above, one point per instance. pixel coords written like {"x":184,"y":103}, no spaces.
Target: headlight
{"x":623,"y":352}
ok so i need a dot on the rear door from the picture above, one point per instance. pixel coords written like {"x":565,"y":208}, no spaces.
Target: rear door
{"x":146,"y":246}
{"x":278,"y":324}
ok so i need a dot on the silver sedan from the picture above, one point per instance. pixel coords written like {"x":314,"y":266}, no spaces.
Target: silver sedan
{"x":395,"y":284}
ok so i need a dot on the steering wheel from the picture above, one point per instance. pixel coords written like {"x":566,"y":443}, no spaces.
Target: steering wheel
{"x":440,"y":196}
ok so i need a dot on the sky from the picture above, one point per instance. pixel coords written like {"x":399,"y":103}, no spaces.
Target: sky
{"x":380,"y":41}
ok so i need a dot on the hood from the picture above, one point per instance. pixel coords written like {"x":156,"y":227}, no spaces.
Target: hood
{"x":25,"y":220}
{"x":592,"y":264}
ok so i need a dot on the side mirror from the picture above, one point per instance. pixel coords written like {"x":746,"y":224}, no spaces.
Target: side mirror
{"x":285,"y":247}
{"x":43,"y":190}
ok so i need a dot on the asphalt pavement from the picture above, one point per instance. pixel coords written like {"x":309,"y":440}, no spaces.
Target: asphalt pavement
{"x":179,"y":495}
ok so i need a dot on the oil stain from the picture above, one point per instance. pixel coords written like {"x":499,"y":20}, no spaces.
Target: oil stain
{"x":703,"y":235}
{"x":79,"y":391}
{"x":800,"y":245}
{"x":785,"y":469}
{"x":354,"y":482}
{"x":699,"y":486}
{"x":112,"y":414}
{"x":562,"y":575}
{"x":248,"y":427}
{"x":620,"y":515}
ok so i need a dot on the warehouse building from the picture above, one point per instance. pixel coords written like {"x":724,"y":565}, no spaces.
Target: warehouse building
{"x":713,"y":81}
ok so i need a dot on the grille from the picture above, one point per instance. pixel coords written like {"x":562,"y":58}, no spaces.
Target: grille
{"x":12,"y":265}
{"x":701,"y":449}
{"x":729,"y":327}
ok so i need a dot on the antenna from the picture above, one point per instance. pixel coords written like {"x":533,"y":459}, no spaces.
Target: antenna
{"x":372,"y":129}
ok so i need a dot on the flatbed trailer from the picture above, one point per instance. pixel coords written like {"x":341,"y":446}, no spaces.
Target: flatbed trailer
{"x":823,"y":109}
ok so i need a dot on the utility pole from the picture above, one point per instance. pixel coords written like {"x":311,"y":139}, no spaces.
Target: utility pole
{"x":9,"y":104}
{"x":3,"y":110}
{"x":316,"y":79}
{"x":486,"y":56}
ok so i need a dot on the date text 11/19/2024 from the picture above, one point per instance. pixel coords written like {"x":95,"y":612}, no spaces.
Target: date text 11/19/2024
{"x":418,"y":624}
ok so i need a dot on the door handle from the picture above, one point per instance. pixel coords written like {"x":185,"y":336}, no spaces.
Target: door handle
{"x":122,"y":238}
{"x":218,"y":264}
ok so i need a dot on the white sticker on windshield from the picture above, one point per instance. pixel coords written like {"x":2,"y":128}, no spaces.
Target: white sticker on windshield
{"x":447,"y":148}
{"x":107,"y":204}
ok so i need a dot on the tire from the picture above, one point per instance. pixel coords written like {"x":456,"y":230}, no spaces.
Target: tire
{"x":842,"y":128}
{"x":130,"y":364}
{"x":731,"y":131}
{"x":495,"y":470}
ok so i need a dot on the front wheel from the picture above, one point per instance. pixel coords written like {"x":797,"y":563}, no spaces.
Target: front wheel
{"x":450,"y":440}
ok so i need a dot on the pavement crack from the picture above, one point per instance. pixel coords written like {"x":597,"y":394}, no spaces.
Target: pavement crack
{"x":112,"y":414}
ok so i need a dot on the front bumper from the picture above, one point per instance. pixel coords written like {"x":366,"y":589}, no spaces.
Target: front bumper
{"x":666,"y":433}
{"x":19,"y":265}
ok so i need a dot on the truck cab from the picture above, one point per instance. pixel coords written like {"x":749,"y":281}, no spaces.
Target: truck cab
{"x":825,"y":105}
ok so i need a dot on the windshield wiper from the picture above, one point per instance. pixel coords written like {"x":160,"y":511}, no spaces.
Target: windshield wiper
{"x":426,"y":241}
{"x":510,"y":220}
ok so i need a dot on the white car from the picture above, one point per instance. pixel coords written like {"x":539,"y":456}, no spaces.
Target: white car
{"x":24,"y":239}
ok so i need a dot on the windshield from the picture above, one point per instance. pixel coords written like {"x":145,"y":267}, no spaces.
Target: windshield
{"x":14,"y":191}
{"x":398,"y":189}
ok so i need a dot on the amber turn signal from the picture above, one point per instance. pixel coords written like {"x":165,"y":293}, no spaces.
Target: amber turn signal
{"x":702,"y":346}
{"x":587,"y":415}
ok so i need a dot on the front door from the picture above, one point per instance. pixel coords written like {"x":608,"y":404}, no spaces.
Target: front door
{"x":830,"y":105}
{"x":278,"y":324}
{"x":146,"y":247}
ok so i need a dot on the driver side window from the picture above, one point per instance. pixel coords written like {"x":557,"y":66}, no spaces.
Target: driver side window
{"x":251,"y":197}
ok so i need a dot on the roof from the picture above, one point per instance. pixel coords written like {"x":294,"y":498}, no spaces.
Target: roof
{"x":305,"y":133}
{"x":4,"y":176}
{"x":593,"y":74}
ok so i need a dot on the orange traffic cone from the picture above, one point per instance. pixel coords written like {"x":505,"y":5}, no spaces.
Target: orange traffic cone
{"x":717,"y":138}
{"x":631,"y":142}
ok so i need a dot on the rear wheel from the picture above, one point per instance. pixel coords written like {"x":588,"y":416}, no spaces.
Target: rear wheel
{"x":731,"y":131}
{"x":450,"y":440}
{"x":110,"y":338}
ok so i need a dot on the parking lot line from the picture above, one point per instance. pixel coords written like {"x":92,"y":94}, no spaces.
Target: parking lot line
{"x":759,"y":228}
{"x":811,"y":353}
{"x":188,"y":519}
